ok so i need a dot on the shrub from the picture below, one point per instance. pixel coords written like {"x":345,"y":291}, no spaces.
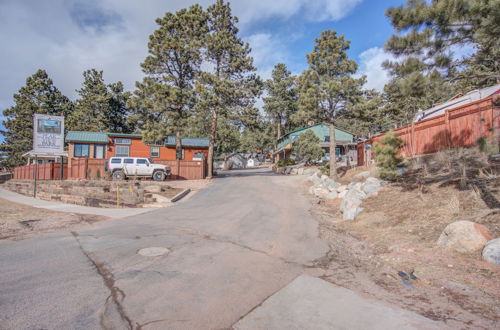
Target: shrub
{"x":386,"y":155}
{"x":307,"y":147}
{"x":285,"y":162}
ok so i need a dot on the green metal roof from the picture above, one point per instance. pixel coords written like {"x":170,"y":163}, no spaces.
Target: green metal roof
{"x":124,"y":135}
{"x":187,"y":142}
{"x":321,"y":131}
{"x":79,"y":136}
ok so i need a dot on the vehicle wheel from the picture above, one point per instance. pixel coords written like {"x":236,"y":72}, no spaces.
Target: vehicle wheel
{"x":118,"y":175}
{"x":158,"y":176}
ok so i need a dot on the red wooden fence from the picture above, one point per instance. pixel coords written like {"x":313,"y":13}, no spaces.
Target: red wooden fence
{"x":87,"y":168}
{"x":459,"y":127}
{"x":47,"y":171}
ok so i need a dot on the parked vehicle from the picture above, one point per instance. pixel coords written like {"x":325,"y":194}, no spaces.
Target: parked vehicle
{"x":124,"y":167}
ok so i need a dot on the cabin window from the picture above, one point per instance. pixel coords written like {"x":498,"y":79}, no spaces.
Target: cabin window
{"x":81,"y":150}
{"x":155,"y":152}
{"x":122,"y":141}
{"x":122,"y":151}
{"x":99,"y":151}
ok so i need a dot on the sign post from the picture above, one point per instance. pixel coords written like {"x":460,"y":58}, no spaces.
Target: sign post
{"x":48,"y":139}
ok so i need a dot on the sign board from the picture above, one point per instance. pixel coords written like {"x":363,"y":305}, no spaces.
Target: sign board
{"x":48,"y":135}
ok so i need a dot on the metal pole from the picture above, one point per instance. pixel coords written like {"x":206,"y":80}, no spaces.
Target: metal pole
{"x":35,"y":177}
{"x":61,"y":170}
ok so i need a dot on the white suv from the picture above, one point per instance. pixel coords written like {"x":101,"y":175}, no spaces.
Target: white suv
{"x":124,"y":167}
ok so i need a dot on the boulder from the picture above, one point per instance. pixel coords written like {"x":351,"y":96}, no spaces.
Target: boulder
{"x":331,"y":195}
{"x":300,"y":171}
{"x":464,"y":237}
{"x":371,"y":186}
{"x":350,"y":206}
{"x":315,"y":179}
{"x":311,"y":190}
{"x":343,"y":193}
{"x":294,"y":171}
{"x":362,"y":175}
{"x":491,"y":251}
{"x":341,"y":188}
{"x":321,"y":192}
{"x":330,"y":184}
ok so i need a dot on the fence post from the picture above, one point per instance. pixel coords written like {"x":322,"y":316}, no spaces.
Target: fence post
{"x":448,"y":129}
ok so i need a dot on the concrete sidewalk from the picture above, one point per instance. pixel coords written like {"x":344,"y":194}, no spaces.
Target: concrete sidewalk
{"x":311,"y":303}
{"x":72,"y":208}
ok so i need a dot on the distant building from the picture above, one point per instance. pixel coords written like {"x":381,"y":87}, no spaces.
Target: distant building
{"x":102,"y":145}
{"x":457,"y":101}
{"x":345,"y":141}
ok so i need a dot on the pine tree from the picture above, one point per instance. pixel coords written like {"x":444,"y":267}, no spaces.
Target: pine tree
{"x":327,"y":88}
{"x":281,"y":101}
{"x":228,"y":84}
{"x":307,"y":147}
{"x":386,"y":155}
{"x":164,"y":100}
{"x":429,"y":31}
{"x":38,"y":96}
{"x":100,"y":107}
{"x":367,"y":117}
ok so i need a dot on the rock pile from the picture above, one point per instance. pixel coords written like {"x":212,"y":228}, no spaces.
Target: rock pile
{"x":352,"y":195}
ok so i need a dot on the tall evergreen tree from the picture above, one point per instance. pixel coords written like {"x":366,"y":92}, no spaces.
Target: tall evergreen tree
{"x":100,"y":107}
{"x":430,"y":31}
{"x":164,"y":100}
{"x":281,"y":101}
{"x":228,"y":84}
{"x":327,"y":88}
{"x":39,"y":95}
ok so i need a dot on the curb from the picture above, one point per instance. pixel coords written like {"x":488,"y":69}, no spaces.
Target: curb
{"x":180,"y":195}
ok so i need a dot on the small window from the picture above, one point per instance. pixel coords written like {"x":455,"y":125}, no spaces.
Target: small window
{"x":327,"y":139}
{"x":122,"y":141}
{"x":116,"y":160}
{"x":99,"y":151}
{"x":128,"y":161}
{"x":155,"y":152}
{"x":142,"y":161}
{"x":81,"y":150}
{"x":122,"y":151}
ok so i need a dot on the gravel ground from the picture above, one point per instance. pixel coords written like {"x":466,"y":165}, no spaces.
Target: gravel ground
{"x":397,"y":232}
{"x":20,"y":221}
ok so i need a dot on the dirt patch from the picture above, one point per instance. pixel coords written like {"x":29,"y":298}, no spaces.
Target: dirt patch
{"x":394,"y":238}
{"x":19,"y":221}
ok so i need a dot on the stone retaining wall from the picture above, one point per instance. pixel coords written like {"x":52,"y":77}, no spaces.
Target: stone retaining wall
{"x":92,"y":193}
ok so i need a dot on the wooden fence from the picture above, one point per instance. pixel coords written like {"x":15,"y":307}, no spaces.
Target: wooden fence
{"x":459,"y":127}
{"x":47,"y":171}
{"x":87,"y":168}
{"x":186,"y":169}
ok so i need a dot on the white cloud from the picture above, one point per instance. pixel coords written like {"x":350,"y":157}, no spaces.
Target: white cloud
{"x":371,"y":65}
{"x":66,"y":37}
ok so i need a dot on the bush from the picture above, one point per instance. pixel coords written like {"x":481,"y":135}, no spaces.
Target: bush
{"x":386,"y":155}
{"x":285,"y":162}
{"x":307,"y":147}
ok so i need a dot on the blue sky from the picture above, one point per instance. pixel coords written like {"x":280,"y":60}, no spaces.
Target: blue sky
{"x":66,"y":37}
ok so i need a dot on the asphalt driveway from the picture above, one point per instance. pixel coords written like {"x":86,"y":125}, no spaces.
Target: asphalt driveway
{"x":230,"y":247}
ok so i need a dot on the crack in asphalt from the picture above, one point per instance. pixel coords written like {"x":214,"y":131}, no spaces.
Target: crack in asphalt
{"x":215,"y":239}
{"x":116,"y":294}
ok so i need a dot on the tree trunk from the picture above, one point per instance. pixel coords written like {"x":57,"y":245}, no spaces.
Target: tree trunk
{"x":178,"y":146}
{"x":211,"y":143}
{"x":333,"y":155}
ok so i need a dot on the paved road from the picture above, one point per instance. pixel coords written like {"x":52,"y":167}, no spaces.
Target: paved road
{"x":231,"y":246}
